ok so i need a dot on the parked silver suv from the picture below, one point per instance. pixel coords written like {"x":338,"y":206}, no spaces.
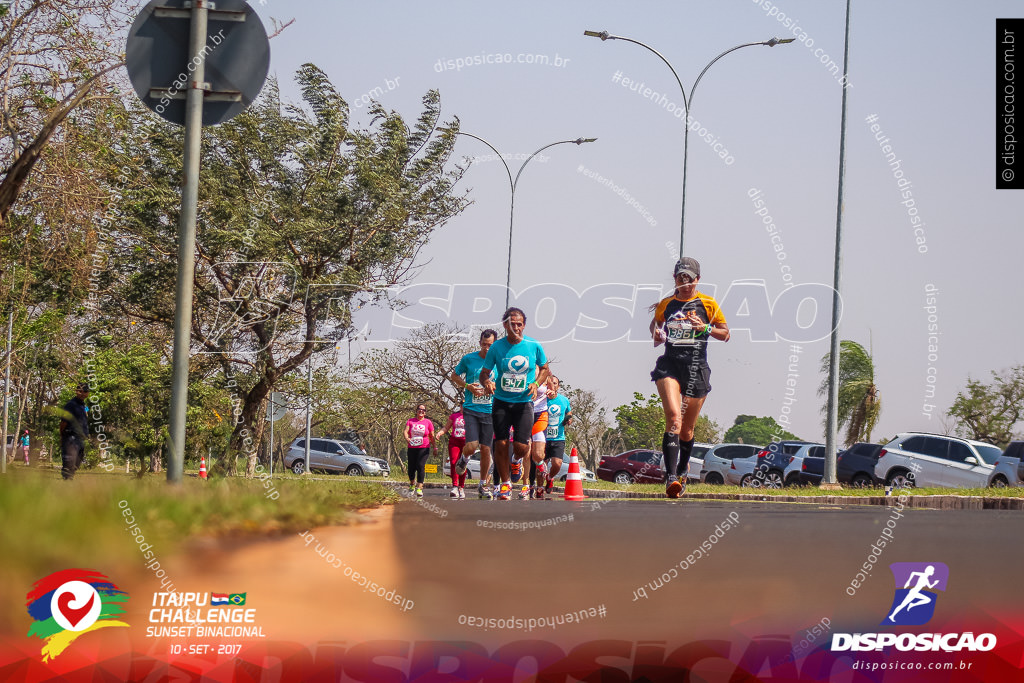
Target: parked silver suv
{"x":334,"y":456}
{"x":921,"y":459}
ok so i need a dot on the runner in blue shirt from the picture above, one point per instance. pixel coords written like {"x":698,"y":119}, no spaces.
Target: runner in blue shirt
{"x":520,"y":368}
{"x":559,"y":417}
{"x":476,"y":408}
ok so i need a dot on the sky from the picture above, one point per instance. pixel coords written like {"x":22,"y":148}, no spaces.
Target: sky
{"x":929,"y":246}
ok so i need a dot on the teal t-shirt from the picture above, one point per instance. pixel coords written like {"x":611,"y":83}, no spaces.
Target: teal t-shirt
{"x":469,"y":368}
{"x":558,"y":413}
{"x":515,"y":367}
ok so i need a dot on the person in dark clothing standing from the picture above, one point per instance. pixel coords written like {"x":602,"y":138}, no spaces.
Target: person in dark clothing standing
{"x":74,"y":428}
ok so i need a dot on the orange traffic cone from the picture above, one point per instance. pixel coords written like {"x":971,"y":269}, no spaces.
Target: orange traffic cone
{"x":202,"y":467}
{"x":574,"y":480}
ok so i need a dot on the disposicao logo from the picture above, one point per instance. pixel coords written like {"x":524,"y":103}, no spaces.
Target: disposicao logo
{"x":913,"y":604}
{"x":70,"y":603}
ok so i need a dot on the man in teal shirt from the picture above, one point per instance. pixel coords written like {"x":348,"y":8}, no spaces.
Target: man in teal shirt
{"x":476,"y":407}
{"x":520,"y":368}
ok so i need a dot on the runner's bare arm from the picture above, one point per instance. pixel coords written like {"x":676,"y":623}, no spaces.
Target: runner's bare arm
{"x":542,"y":377}
{"x":485,"y":381}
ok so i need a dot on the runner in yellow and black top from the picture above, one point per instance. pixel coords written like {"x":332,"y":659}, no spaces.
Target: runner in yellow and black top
{"x":685,"y":322}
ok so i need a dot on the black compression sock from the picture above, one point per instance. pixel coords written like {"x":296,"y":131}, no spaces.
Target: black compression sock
{"x":685,"y":449}
{"x":533,"y":472}
{"x":670,"y":447}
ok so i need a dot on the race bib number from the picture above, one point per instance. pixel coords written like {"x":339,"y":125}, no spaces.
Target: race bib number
{"x":513,"y":383}
{"x":481,"y":400}
{"x":680,"y":333}
{"x":415,"y":441}
{"x":551,"y":432}
{"x":459,"y":433}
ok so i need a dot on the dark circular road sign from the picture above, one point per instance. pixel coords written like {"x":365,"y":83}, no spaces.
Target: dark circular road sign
{"x":160,"y":66}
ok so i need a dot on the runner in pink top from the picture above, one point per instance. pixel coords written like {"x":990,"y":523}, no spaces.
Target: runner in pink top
{"x":456,"y":430}
{"x":419,"y":431}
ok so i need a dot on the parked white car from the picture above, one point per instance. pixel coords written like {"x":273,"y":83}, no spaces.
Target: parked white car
{"x":921,"y":459}
{"x":718,"y":460}
{"x":333,"y":455}
{"x":791,"y":475}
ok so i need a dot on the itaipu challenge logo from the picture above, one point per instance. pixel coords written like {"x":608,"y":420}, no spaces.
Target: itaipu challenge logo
{"x":71,"y":603}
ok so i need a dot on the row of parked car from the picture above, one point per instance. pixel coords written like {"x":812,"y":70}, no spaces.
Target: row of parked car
{"x":334,"y":455}
{"x":909,"y":459}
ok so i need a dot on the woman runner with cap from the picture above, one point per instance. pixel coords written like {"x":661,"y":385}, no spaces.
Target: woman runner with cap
{"x":684,"y":322}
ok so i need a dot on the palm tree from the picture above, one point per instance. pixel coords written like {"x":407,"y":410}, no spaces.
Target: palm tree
{"x":858,"y":403}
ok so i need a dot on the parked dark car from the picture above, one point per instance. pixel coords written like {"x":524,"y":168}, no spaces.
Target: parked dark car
{"x":645,"y":466}
{"x":812,"y":470}
{"x":856,"y":465}
{"x":772,"y":462}
{"x":640,"y":465}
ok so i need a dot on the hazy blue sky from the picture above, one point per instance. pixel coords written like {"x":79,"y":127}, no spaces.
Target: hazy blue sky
{"x":925,"y":70}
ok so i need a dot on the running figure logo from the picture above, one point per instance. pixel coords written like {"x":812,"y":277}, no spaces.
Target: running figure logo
{"x":914,"y":603}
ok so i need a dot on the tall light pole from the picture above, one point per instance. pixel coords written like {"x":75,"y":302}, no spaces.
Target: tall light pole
{"x":687,"y":100}
{"x":828,"y":480}
{"x":512,"y":184}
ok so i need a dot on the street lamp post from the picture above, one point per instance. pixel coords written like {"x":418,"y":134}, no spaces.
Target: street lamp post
{"x":687,"y":100}
{"x":512,"y":184}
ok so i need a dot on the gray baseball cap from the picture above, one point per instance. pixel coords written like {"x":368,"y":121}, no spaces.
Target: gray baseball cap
{"x":688,"y":266}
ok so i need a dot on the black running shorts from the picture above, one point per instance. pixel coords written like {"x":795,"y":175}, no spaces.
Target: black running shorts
{"x":518,"y":416}
{"x":554,"y":449}
{"x":694,"y":378}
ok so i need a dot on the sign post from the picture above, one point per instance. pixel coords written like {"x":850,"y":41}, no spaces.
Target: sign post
{"x":166,"y":67}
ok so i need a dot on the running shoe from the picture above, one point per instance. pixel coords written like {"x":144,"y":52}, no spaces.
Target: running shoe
{"x":542,"y":468}
{"x":484,"y":492}
{"x":524,"y":493}
{"x":419,"y":491}
{"x":674,"y":488}
{"x":460,"y":465}
{"x":517,"y":470}
{"x":462,"y":493}
{"x":550,"y":485}
{"x":505,"y":492}
{"x":538,"y":492}
{"x":454,"y":493}
{"x":412,"y":489}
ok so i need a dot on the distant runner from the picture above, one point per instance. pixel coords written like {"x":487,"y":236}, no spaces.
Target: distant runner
{"x":520,"y":367}
{"x":559,"y":417}
{"x":685,"y":322}
{"x":419,"y":431}
{"x":457,"y":459}
{"x":476,"y":405}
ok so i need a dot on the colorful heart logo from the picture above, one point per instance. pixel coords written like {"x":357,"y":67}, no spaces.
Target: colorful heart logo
{"x":72,"y":614}
{"x":75,"y":605}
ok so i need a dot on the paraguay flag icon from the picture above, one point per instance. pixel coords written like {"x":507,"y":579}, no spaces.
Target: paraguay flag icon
{"x":916,"y":584}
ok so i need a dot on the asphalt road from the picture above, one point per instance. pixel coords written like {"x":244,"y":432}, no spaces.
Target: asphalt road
{"x":779,"y":570}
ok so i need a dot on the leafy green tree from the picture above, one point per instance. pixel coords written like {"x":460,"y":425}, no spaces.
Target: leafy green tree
{"x":990,"y":412}
{"x":760,"y":431}
{"x":641,"y":424}
{"x":858,"y":405}
{"x":301,"y":219}
{"x":589,"y":430}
